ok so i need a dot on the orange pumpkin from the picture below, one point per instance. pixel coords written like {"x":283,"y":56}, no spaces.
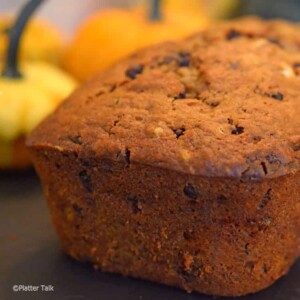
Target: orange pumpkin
{"x":112,"y":34}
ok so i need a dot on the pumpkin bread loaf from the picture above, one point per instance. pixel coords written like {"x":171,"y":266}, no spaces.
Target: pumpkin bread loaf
{"x":180,"y":164}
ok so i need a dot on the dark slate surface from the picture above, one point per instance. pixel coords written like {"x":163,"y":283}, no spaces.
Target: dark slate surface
{"x":30,"y":255}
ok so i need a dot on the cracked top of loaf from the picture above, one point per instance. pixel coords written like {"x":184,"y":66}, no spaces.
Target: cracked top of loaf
{"x":224,"y":102}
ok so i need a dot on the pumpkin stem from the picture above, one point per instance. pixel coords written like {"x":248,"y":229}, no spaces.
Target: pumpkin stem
{"x":155,"y":13}
{"x":11,"y":69}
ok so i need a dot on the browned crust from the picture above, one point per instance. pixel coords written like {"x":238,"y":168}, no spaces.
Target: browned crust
{"x":232,"y":92}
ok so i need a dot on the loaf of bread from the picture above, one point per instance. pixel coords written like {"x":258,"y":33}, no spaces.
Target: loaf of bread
{"x":181,"y":164}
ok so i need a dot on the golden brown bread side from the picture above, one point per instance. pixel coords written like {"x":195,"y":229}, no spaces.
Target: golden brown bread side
{"x":181,"y":164}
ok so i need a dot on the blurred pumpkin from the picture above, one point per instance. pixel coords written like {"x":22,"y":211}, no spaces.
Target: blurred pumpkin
{"x":113,"y":34}
{"x":110,"y":35}
{"x":104,"y":38}
{"x":220,"y":8}
{"x":26,"y":101}
{"x":28,"y":93}
{"x":14,"y":155}
{"x":211,"y":8}
{"x":40,"y":41}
